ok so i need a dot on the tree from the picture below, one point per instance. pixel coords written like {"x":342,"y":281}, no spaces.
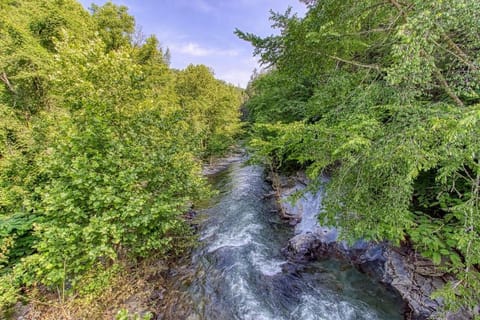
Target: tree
{"x":207,"y":102}
{"x":167,"y":57}
{"x":385,"y":96}
{"x":116,"y":26}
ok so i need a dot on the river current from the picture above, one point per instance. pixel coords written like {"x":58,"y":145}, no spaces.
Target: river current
{"x":239,"y":271}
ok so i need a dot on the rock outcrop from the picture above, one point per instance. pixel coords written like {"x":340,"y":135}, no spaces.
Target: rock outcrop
{"x":413,"y":277}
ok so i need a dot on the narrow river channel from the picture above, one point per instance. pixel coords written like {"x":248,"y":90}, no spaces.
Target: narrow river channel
{"x":239,"y":272}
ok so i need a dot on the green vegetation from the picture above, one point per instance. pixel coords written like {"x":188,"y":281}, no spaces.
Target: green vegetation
{"x":385,"y":96}
{"x":101,"y":145}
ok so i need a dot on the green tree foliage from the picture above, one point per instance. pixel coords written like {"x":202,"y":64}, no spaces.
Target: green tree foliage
{"x":28,"y":30}
{"x":116,"y":26}
{"x":99,"y":157}
{"x":207,"y":103}
{"x":384,"y":96}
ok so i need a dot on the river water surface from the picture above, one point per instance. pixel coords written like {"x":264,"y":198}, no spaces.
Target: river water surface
{"x":239,"y":272}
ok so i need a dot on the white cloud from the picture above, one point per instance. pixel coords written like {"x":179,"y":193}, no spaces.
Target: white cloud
{"x":237,"y":73}
{"x":196,"y":50}
{"x":235,"y":77}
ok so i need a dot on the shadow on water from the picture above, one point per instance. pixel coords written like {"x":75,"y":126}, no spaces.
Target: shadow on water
{"x":239,"y":272}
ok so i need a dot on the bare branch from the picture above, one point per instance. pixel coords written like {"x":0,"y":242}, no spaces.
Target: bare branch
{"x":460,"y":54}
{"x":399,"y":8}
{"x":448,"y":90}
{"x":358,"y":64}
{"x":4,"y":78}
{"x":374,"y":30}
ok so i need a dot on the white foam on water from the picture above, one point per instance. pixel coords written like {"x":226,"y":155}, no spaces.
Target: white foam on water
{"x":232,"y":243}
{"x":268,"y":267}
{"x":329,"y":308}
{"x":248,"y":306}
{"x":237,"y":238}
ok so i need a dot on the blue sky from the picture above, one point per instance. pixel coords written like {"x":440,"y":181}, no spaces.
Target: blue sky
{"x":201,"y":31}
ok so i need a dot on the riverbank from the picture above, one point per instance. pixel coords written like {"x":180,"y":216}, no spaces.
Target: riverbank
{"x":400,"y":269}
{"x":143,"y":290}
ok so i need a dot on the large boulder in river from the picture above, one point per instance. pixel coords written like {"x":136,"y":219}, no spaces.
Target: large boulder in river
{"x":367,"y":256}
{"x":303,"y":247}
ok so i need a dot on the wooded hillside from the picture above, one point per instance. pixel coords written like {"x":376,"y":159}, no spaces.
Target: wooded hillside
{"x":101,"y":145}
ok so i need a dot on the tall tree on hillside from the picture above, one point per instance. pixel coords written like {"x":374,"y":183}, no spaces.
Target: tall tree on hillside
{"x":116,"y":26}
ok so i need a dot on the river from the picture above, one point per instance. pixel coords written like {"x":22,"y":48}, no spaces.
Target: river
{"x":239,"y":272}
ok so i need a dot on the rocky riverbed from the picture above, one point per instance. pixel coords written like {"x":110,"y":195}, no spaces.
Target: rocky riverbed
{"x":238,"y":269}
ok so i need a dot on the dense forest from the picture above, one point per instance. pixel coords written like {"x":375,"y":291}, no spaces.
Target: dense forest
{"x":384,"y":97}
{"x":101,"y":146}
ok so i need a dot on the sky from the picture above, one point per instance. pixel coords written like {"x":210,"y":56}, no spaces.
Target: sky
{"x":201,"y":31}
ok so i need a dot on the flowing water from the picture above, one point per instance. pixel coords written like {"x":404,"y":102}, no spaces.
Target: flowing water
{"x":239,"y":272}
